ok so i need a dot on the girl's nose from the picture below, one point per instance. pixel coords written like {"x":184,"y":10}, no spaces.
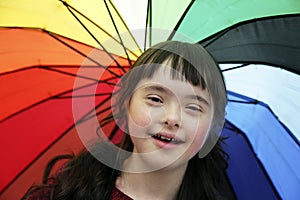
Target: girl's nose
{"x":173,"y":116}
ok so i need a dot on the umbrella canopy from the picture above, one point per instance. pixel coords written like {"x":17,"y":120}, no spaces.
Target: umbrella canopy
{"x":44,"y":46}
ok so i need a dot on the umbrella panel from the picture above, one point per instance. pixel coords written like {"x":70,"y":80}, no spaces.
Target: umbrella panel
{"x":54,"y":133}
{"x":22,"y":48}
{"x":247,"y":176}
{"x":273,"y":41}
{"x":38,"y":103}
{"x":292,"y":8}
{"x":274,"y":148}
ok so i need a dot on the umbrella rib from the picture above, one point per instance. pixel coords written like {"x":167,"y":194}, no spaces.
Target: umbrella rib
{"x":148,"y":21}
{"x":254,"y":101}
{"x":17,"y":70}
{"x":54,"y":142}
{"x":90,"y":33}
{"x":227,"y":126}
{"x":244,"y":102}
{"x":181,"y":20}
{"x":95,"y":24}
{"x":84,"y":77}
{"x":49,"y":67}
{"x":77,"y":66}
{"x":87,"y":115}
{"x":36,"y":158}
{"x":68,"y":73}
{"x":76,"y":50}
{"x":122,"y":43}
{"x":220,"y":34}
{"x":113,"y":132}
{"x":246,"y":139}
{"x":232,"y":68}
{"x":260,"y":63}
{"x":44,"y":100}
{"x":140,"y":50}
{"x":85,"y":95}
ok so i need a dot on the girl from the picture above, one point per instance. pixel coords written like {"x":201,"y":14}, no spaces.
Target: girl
{"x":171,"y":107}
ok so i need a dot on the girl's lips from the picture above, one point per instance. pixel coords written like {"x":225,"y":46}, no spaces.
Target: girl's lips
{"x":163,"y":144}
{"x":166,"y":140}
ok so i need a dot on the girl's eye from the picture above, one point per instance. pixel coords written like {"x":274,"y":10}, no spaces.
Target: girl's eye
{"x":194,"y":107}
{"x":155,"y":99}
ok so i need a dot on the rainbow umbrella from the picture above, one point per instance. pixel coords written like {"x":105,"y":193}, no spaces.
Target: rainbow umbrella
{"x":55,"y":51}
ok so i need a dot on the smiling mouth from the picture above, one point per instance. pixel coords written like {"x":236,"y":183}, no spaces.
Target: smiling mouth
{"x":167,"y":139}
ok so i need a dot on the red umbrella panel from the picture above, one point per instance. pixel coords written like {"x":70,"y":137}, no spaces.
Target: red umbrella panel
{"x":37,"y":74}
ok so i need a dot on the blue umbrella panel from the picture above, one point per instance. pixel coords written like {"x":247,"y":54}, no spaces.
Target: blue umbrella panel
{"x":264,"y":155}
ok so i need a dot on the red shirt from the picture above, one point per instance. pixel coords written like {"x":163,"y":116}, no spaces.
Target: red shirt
{"x":118,"y":195}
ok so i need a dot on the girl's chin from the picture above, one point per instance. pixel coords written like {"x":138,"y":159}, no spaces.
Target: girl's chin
{"x":154,"y":161}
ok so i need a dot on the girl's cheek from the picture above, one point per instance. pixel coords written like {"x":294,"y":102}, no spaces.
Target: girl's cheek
{"x":199,"y":136}
{"x":138,"y":123}
{"x":143,"y":121}
{"x":194,"y":147}
{"x":140,"y":116}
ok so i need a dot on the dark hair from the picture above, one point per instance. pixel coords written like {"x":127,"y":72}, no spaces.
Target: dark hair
{"x":85,"y":177}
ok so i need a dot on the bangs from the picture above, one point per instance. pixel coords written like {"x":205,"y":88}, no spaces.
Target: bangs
{"x":185,"y":71}
{"x":181,"y":68}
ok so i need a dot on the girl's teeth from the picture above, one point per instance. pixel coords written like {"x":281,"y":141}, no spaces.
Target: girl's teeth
{"x":161,"y":137}
{"x":165,"y":138}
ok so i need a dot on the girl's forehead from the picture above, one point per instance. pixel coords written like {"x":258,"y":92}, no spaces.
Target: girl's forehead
{"x":169,"y":69}
{"x":166,"y":71}
{"x":164,"y":75}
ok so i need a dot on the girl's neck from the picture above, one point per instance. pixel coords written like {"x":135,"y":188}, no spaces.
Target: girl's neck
{"x":163,"y":184}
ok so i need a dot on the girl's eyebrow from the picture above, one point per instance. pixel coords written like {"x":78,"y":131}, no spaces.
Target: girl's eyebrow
{"x":199,"y":98}
{"x":157,"y":88}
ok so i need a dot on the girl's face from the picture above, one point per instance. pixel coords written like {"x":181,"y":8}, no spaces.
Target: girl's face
{"x":168,"y":120}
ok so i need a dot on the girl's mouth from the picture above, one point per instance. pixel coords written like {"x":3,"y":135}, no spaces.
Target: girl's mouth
{"x":167,"y":138}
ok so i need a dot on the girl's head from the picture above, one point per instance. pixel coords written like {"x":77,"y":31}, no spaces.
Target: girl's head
{"x":171,"y":71}
{"x":188,"y":63}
